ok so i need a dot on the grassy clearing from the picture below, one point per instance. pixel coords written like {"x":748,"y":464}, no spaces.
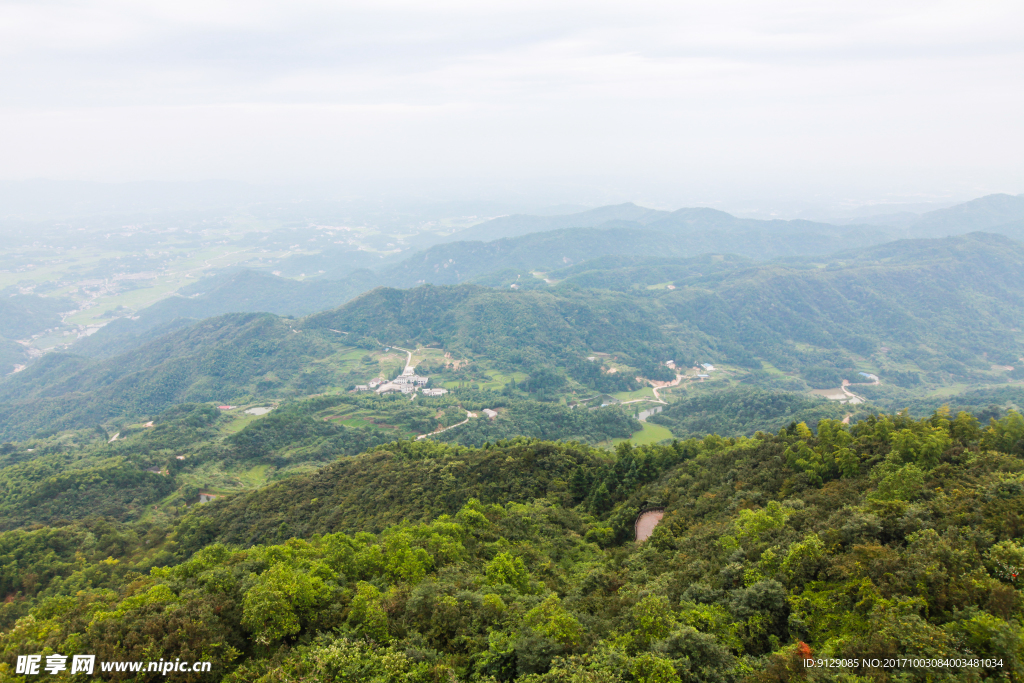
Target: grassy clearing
{"x":355,"y":421}
{"x":646,"y":392}
{"x":771,"y":369}
{"x":500,"y":379}
{"x":651,"y":433}
{"x":255,"y":476}
{"x":239,"y":421}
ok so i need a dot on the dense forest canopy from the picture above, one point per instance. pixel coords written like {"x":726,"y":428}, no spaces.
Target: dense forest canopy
{"x":891,"y":538}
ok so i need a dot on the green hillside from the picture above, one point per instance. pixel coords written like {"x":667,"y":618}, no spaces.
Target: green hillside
{"x":742,"y":412}
{"x":1001,"y":213}
{"x":220,"y":359}
{"x":831,"y":432}
{"x":243,"y":291}
{"x":515,"y":562}
{"x":925,"y":316}
{"x":679,"y":235}
{"x":932,"y":308}
{"x":23,"y":315}
{"x":518,"y":326}
{"x":11,"y":354}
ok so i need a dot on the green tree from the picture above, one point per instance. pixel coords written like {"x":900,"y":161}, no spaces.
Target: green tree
{"x":507,"y":570}
{"x":366,"y":614}
{"x":279,"y":601}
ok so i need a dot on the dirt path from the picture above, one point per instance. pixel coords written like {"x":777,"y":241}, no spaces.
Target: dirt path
{"x":860,"y":399}
{"x":645,"y":523}
{"x":673,"y":383}
{"x":440,"y":431}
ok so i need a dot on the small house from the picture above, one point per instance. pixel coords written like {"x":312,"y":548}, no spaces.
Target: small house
{"x":491,"y":414}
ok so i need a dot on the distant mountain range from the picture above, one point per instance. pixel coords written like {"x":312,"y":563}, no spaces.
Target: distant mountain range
{"x":985,"y":213}
{"x":942,"y":311}
{"x":527,"y":242}
{"x":504,"y":251}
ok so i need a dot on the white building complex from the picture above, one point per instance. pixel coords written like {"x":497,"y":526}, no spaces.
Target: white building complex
{"x":407,"y":383}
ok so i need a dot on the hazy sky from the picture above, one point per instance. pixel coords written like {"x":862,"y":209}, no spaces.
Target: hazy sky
{"x":661,"y":102}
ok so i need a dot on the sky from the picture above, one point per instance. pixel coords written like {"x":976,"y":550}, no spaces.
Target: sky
{"x":663,"y":103}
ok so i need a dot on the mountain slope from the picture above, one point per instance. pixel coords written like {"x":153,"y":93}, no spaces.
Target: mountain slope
{"x":523,"y":243}
{"x":853,"y":545}
{"x":681,"y":236}
{"x":474,"y":319}
{"x":245,"y":291}
{"x":522,"y":224}
{"x":985,"y":213}
{"x":937,"y":312}
{"x":23,"y":315}
{"x":218,"y":359}
{"x":254,"y":356}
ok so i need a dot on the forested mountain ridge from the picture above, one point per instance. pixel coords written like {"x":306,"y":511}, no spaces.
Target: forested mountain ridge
{"x":1002,"y":213}
{"x":208,"y":361}
{"x":241,"y":291}
{"x":983,"y":213}
{"x":918,"y":312}
{"x":946,"y":314}
{"x":340,"y":546}
{"x":954,"y":303}
{"x":534,"y":325}
{"x":530,"y":243}
{"x":522,"y":240}
{"x":254,"y":356}
{"x":890,"y":538}
{"x":523,"y":224}
{"x":21,"y":316}
{"x":682,"y":234}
